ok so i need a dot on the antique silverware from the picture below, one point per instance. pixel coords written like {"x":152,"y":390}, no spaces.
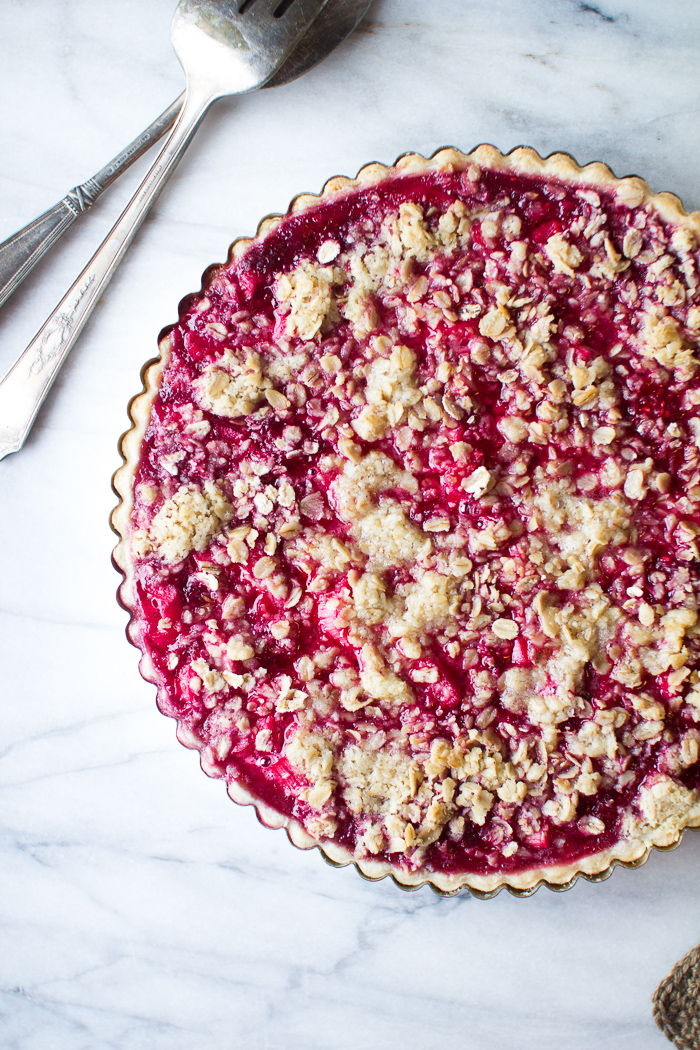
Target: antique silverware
{"x":23,"y":250}
{"x":225,"y":48}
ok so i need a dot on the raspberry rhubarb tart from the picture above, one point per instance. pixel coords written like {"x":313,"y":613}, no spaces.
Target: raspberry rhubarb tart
{"x":410,"y":516}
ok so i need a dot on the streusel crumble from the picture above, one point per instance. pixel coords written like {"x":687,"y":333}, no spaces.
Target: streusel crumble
{"x":410,"y":520}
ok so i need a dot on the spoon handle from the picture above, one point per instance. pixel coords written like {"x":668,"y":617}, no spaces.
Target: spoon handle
{"x":25,"y":386}
{"x":23,"y":250}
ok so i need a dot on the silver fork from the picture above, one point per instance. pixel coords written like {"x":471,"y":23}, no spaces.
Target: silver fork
{"x":226,"y":47}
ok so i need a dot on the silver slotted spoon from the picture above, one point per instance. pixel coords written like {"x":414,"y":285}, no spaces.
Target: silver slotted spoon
{"x":21,"y":252}
{"x":226,"y":47}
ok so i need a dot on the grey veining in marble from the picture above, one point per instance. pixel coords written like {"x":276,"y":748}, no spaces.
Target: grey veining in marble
{"x":139,"y":909}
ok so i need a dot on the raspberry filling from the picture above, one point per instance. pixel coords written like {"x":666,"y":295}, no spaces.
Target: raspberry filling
{"x":416,"y":516}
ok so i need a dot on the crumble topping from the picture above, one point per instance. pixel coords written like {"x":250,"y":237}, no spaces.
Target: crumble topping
{"x":308,"y":292}
{"x":185,"y":522}
{"x":416,"y":519}
{"x":229,"y":387}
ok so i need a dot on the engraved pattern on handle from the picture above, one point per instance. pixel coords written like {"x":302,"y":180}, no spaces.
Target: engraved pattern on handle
{"x":54,"y":339}
{"x":24,"y":388}
{"x":80,"y":198}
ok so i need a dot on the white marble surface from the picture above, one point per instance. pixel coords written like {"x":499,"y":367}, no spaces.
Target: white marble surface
{"x":138,"y":907}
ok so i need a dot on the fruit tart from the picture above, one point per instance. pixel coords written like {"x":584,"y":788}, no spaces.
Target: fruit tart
{"x":409,"y":521}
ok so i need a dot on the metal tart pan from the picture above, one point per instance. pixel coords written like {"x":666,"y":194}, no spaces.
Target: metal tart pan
{"x":525,"y":160}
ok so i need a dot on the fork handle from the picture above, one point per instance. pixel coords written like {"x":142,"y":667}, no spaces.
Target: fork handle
{"x":25,"y":386}
{"x":22,"y":251}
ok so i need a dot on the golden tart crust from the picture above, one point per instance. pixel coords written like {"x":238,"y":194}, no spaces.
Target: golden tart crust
{"x":504,"y":690}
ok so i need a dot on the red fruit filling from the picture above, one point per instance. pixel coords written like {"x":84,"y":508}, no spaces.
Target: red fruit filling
{"x":416,"y":518}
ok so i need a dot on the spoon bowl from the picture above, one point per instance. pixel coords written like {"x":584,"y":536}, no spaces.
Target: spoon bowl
{"x":337,"y":20}
{"x":228,"y":48}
